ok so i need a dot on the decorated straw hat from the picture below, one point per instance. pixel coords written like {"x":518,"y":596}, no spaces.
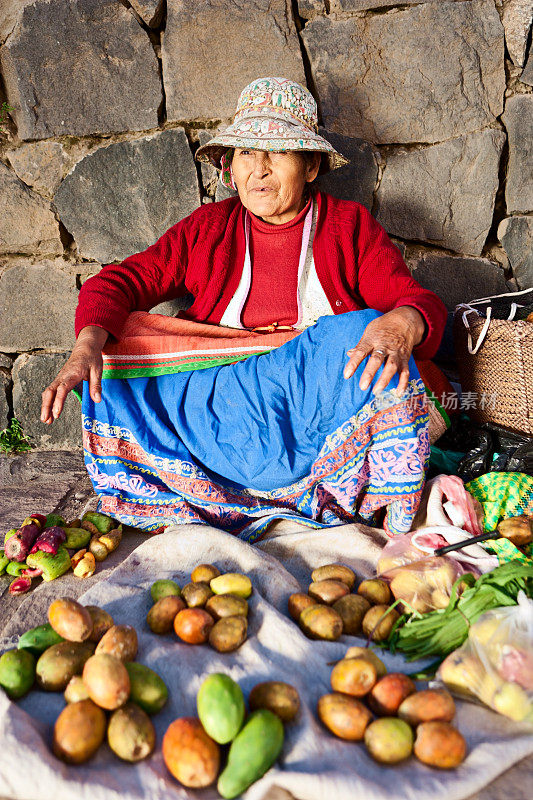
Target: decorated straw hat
{"x":273,"y":114}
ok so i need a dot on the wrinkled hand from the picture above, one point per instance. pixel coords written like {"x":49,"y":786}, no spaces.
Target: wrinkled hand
{"x":85,"y":364}
{"x":389,"y":340}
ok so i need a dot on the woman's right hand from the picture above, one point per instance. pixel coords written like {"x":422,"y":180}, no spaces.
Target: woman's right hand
{"x":85,"y":364}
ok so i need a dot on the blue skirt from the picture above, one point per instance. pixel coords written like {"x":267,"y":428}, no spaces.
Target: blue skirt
{"x":279,"y":435}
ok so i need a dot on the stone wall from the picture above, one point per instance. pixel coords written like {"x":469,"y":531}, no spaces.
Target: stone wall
{"x":432,"y":100}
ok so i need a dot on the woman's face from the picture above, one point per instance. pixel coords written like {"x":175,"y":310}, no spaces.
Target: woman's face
{"x":271,"y":185}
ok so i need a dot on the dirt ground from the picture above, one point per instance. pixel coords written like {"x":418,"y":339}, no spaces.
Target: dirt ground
{"x":46,"y":482}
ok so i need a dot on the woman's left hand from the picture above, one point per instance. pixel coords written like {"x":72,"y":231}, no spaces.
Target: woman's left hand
{"x":389,"y":340}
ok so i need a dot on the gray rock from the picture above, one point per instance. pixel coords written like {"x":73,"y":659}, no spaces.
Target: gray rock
{"x":150,"y":11}
{"x":212,"y":49}
{"x":40,"y":165}
{"x":340,"y":6}
{"x":420,"y":74}
{"x":355,"y":181}
{"x":516,"y":18}
{"x":105,"y":80}
{"x":209,"y":173}
{"x":171,"y":307}
{"x":31,"y":375}
{"x":311,"y":8}
{"x":10,"y":12}
{"x":516,"y":236}
{"x":4,"y":405}
{"x":27,"y":222}
{"x":119,"y":199}
{"x":518,"y":119}
{"x":527,"y":74}
{"x":37,"y":305}
{"x":222,"y":192}
{"x":5,"y":361}
{"x":443,"y":194}
{"x":457,"y":280}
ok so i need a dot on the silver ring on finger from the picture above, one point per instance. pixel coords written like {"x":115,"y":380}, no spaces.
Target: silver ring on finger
{"x":381,"y":352}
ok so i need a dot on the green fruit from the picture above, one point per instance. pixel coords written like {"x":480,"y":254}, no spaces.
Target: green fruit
{"x":52,"y":565}
{"x":59,"y":663}
{"x":76,"y":538}
{"x":103,"y":523}
{"x":252,"y":753}
{"x":220,"y":705}
{"x":15,"y":568}
{"x":17,"y":673}
{"x":4,"y":561}
{"x":38,"y":639}
{"x":147,"y":690}
{"x":164,"y":588}
{"x":54,"y":520}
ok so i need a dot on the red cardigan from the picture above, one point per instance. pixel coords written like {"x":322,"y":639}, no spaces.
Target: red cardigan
{"x":203,"y":254}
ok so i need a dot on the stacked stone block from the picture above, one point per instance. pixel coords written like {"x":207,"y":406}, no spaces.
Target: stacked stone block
{"x":432,"y":101}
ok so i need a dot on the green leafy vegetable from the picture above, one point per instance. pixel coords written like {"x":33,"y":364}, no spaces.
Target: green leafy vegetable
{"x":440,"y":632}
{"x":12,"y":439}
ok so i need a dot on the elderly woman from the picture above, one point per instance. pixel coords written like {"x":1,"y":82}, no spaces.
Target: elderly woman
{"x":288,"y":388}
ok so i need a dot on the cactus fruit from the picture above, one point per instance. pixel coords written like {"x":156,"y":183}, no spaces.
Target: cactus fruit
{"x":50,"y":540}
{"x":52,"y":565}
{"x":19,"y":545}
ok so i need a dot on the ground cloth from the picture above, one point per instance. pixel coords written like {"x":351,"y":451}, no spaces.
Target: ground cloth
{"x":314,"y":765}
{"x":277,"y":435}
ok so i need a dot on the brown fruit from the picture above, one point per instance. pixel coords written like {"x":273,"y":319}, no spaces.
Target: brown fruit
{"x":193,"y":625}
{"x":298,"y":602}
{"x":70,"y":619}
{"x":130,"y":733}
{"x":79,"y":731}
{"x":190,"y":755}
{"x":119,"y":641}
{"x":336,"y":572}
{"x":378,"y":622}
{"x":344,"y":716}
{"x":430,"y":705}
{"x":327,"y":591}
{"x":59,"y":663}
{"x":161,"y":616}
{"x":355,"y":676}
{"x":280,"y":698}
{"x":107,"y":681}
{"x":321,"y":622}
{"x":352,"y":609}
{"x":389,"y":740}
{"x":204,"y":573}
{"x":365,"y":652}
{"x":102,"y":621}
{"x":389,"y":693}
{"x":196,"y":594}
{"x":376,"y":591}
{"x":228,"y":633}
{"x":226,"y":605}
{"x":76,"y":690}
{"x":439,"y":744}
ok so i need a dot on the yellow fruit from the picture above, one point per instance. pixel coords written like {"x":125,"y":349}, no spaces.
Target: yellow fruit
{"x":512,"y":701}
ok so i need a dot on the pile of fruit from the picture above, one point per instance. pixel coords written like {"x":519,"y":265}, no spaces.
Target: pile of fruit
{"x":330,"y":608}
{"x":40,"y":547}
{"x":82,"y":653}
{"x":408,"y":721}
{"x":191,"y":746}
{"x":211,"y":608}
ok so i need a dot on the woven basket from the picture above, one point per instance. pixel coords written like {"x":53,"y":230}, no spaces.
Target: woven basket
{"x":500,"y":374}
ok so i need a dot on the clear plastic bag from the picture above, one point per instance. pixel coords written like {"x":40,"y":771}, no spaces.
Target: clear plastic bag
{"x":424,"y":582}
{"x":495,"y":664}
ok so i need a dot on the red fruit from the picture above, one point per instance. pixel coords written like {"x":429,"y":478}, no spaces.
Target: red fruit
{"x":389,"y":693}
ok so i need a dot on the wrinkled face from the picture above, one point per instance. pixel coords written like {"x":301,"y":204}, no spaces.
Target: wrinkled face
{"x":271,"y":185}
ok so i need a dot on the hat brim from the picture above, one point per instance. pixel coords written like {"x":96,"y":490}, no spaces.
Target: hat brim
{"x":253,"y":133}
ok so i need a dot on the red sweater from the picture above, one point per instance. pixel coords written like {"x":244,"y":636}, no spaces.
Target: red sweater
{"x":203,"y":254}
{"x":275,"y":255}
